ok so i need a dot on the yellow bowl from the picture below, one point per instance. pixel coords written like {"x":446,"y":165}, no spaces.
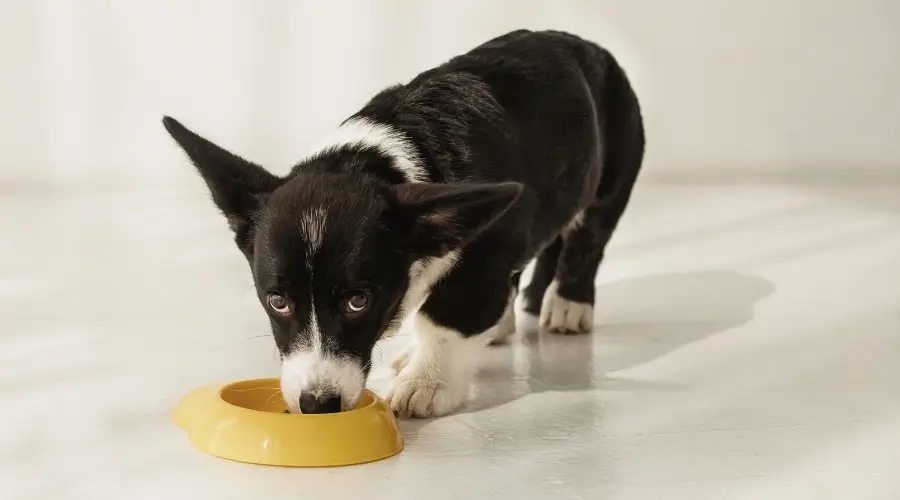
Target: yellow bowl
{"x":245,"y":421}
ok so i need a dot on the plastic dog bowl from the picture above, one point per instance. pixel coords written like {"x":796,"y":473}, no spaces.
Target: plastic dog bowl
{"x":245,"y":421}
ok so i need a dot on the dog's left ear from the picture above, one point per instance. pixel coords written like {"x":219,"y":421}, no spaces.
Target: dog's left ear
{"x":238,"y":187}
{"x":439,"y":218}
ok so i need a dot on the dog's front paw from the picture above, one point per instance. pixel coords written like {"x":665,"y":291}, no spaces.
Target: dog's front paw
{"x":435,"y":371}
{"x":423,"y":397}
{"x":559,"y":315}
{"x":414,"y":394}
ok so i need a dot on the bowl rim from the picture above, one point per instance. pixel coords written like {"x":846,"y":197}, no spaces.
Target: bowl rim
{"x":202,"y":412}
{"x":224,"y":387}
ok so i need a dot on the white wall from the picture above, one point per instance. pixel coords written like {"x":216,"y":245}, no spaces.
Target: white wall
{"x":772,"y":86}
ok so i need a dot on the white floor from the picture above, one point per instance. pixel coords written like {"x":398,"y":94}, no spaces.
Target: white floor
{"x":747,"y":347}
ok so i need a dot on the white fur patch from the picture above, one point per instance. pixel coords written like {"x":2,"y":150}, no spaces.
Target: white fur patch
{"x":386,"y":139}
{"x":562,"y":316}
{"x":311,"y":368}
{"x":423,"y":274}
{"x":574,"y":223}
{"x":312,"y":228}
{"x":318,"y":372}
{"x":438,"y":372}
{"x":402,"y":358}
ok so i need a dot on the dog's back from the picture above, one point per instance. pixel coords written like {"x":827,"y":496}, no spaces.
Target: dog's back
{"x":544,"y":109}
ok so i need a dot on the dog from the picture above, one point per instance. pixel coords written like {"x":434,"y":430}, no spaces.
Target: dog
{"x":430,"y":201}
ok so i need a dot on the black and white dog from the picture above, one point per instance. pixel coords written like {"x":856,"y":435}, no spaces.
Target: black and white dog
{"x":430,"y":200}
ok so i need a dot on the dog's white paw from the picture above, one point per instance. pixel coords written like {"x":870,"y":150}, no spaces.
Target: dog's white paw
{"x":438,"y":369}
{"x":414,"y":394}
{"x":402,"y":358}
{"x":559,"y":315}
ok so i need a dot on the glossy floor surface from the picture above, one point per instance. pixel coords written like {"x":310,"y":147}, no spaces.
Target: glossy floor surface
{"x":747,"y":347}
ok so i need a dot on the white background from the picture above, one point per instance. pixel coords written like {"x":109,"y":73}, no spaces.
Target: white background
{"x":783,"y":88}
{"x":746,"y":338}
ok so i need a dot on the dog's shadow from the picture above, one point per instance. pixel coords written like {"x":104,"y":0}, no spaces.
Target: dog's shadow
{"x":640,"y":320}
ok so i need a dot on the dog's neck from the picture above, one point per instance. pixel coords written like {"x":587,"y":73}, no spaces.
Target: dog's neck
{"x":443,"y":129}
{"x":400,"y":160}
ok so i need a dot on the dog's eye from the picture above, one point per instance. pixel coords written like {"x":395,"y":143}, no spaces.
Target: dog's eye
{"x":279,"y":304}
{"x":356,"y":303}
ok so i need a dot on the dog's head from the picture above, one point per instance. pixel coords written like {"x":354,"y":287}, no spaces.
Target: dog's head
{"x":335,"y":257}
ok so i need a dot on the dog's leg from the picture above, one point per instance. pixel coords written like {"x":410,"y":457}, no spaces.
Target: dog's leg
{"x":506,"y":327}
{"x":544,"y":270}
{"x":453,"y":327}
{"x":402,"y":358}
{"x":568,"y":303}
{"x":440,"y":370}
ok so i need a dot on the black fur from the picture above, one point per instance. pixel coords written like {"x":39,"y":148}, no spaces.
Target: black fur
{"x":518,"y":136}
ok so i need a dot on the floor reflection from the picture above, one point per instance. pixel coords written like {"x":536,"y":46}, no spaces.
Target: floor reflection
{"x":638,"y":320}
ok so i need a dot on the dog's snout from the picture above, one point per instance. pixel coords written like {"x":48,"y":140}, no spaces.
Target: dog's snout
{"x":312,"y":382}
{"x":326,"y":403}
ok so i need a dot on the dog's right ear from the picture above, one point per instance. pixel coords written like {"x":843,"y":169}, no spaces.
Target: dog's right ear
{"x":238,"y":187}
{"x":437,"y":218}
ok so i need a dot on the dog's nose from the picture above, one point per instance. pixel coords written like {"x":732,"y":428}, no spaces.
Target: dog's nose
{"x":325,"y":403}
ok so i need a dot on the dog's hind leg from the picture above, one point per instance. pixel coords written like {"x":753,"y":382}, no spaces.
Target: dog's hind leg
{"x":568,"y":303}
{"x":544,"y":270}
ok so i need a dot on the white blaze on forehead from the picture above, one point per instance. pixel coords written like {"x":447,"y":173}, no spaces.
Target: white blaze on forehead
{"x":311,"y":368}
{"x":384,"y":138}
{"x":312,"y":228}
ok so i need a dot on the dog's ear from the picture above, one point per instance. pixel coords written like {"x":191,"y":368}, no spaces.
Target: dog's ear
{"x":438,"y":218}
{"x":238,"y":187}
